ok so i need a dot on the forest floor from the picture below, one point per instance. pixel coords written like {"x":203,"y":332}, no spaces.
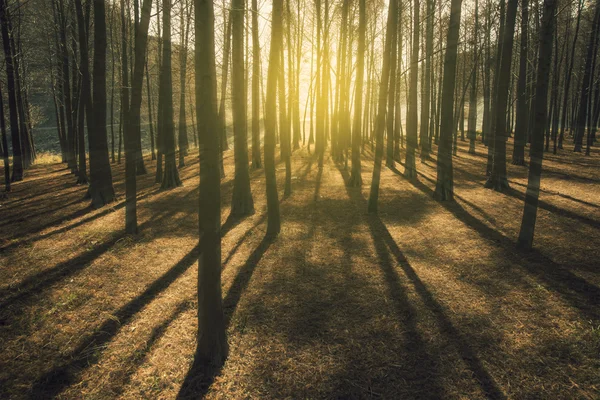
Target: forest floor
{"x":424,"y":300}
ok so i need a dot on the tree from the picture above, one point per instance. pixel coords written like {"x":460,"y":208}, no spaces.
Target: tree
{"x":242,"y":203}
{"x":410,"y":170}
{"x":171,"y":175}
{"x":17,"y":174}
{"x":426,"y":90}
{"x":392,"y":96}
{"x":525,"y":239}
{"x":355,"y":176}
{"x":472,"y":124}
{"x":85,"y":100}
{"x":101,"y":187}
{"x":4,"y":145}
{"x":444,"y":188}
{"x":568,"y":76}
{"x":183,"y":135}
{"x":256,"y":160}
{"x":497,"y":179}
{"x":522,"y":118}
{"x":382,"y":105}
{"x":586,"y":86}
{"x":132,"y":122}
{"x":211,"y":347}
{"x":273,"y":219}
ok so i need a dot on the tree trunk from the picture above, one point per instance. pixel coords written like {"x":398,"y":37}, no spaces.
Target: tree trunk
{"x":426,"y":98}
{"x":242,"y":203}
{"x":273,"y":219}
{"x":586,"y":86}
{"x":256,"y":159}
{"x":382,"y":104}
{"x":472,"y":123}
{"x":525,"y":239}
{"x":211,"y":348}
{"x":85,"y":100}
{"x":444,"y":188}
{"x":522,"y":101}
{"x":17,"y":174}
{"x":410,"y":166}
{"x":171,"y":175}
{"x":183,"y":136}
{"x":497,"y":179}
{"x":355,"y":176}
{"x":4,"y":145}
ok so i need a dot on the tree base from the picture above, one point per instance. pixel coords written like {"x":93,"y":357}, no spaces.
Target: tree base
{"x":355,"y":180}
{"x":497,"y":184}
{"x":443,"y":192}
{"x":171,"y":179}
{"x":518,"y":160}
{"x":140,"y":169}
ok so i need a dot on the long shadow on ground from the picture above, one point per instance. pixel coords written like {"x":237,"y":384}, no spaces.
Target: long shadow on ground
{"x":576,"y":290}
{"x":385,"y":243}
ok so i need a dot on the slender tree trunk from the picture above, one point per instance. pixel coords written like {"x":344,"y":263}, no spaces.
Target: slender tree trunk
{"x":382,"y":104}
{"x":242,"y":203}
{"x":525,"y":239}
{"x":392,"y":96}
{"x":568,"y":75}
{"x":224,"y":76}
{"x":273,"y":219}
{"x":497,"y":179}
{"x":410,"y":166}
{"x":444,"y":188}
{"x":85,"y":99}
{"x":212,"y":347}
{"x":355,"y":176}
{"x":472,"y":124}
{"x":586,"y":86}
{"x":425,"y":100}
{"x":522,"y":108}
{"x":183,"y":136}
{"x":150,"y":118}
{"x":256,"y":159}
{"x":4,"y":145}
{"x":17,"y":174}
{"x":171,"y":175}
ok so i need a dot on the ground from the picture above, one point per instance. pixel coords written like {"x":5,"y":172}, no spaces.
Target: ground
{"x":423,"y":300}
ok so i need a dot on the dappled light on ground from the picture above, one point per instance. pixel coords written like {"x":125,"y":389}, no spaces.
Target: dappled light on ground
{"x":423,"y":300}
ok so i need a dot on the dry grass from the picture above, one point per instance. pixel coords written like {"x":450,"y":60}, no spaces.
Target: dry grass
{"x":425,"y":300}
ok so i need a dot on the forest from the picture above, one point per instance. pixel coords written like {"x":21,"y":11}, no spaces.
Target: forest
{"x":324,"y":199}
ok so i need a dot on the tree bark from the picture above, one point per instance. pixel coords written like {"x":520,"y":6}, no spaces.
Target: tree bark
{"x":526,"y":233}
{"x":444,"y":188}
{"x":211,"y":350}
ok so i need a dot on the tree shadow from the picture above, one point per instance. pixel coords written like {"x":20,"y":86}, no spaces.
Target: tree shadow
{"x":576,"y":290}
{"x":554,"y":209}
{"x":90,"y":349}
{"x":108,"y":209}
{"x":385,"y":244}
{"x":137,"y":358}
{"x":200,"y":376}
{"x":564,"y":196}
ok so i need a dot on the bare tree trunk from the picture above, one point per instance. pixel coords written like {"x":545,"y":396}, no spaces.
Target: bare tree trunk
{"x":444,"y":188}
{"x":242,"y":203}
{"x":383,"y":98}
{"x":525,"y":239}
{"x":411,"y":120}
{"x":355,"y":176}
{"x":273,"y":219}
{"x":17,"y":174}
{"x":212,"y":347}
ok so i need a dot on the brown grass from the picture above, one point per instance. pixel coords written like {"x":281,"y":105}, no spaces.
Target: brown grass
{"x":425,"y":300}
